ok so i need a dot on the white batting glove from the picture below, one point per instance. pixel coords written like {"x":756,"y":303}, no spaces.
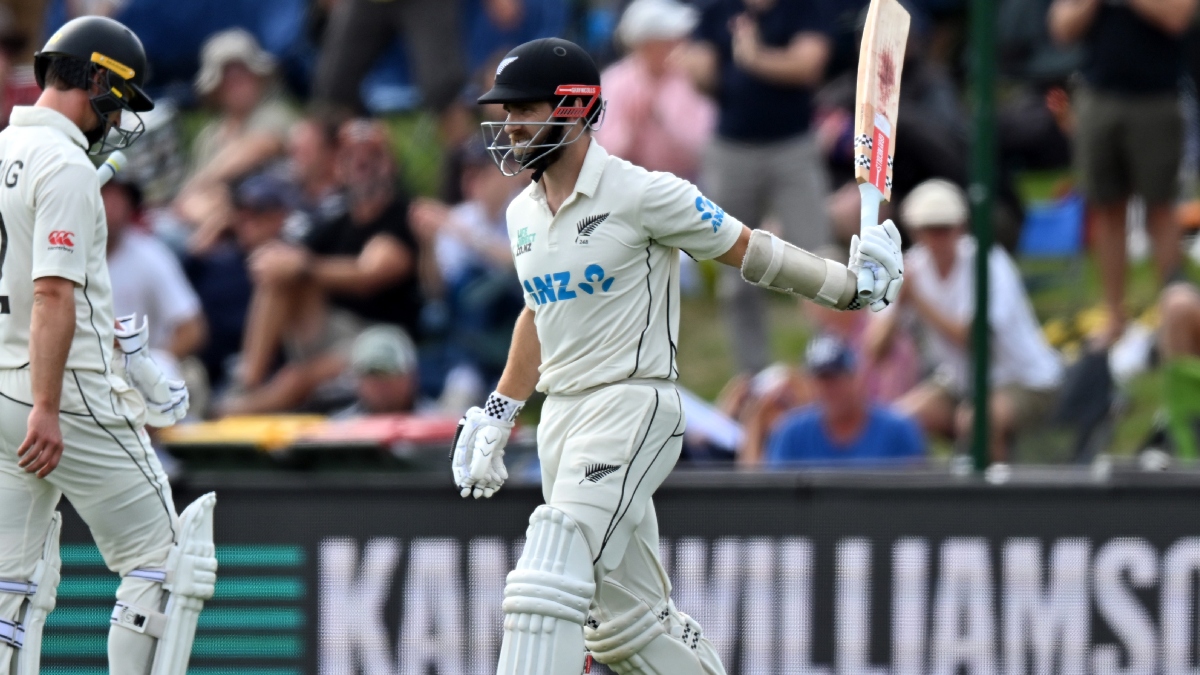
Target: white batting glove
{"x":166,"y":400}
{"x":880,"y":244}
{"x":477,"y":457}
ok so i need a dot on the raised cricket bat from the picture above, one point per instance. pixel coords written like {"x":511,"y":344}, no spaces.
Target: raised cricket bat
{"x":880,"y":61}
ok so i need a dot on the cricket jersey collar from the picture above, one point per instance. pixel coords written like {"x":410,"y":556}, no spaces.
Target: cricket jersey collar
{"x":40,"y":116}
{"x":593,"y":167}
{"x":589,"y":174}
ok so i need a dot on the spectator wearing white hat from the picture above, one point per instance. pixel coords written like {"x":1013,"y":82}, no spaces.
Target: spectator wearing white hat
{"x":939,"y":297}
{"x":656,"y":117}
{"x":384,"y":364}
{"x":237,"y":77}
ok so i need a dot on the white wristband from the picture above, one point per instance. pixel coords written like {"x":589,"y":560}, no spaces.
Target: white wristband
{"x":501,"y":407}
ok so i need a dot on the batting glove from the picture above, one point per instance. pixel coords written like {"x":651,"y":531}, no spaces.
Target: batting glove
{"x":166,"y":400}
{"x":880,"y":244}
{"x":477,"y":457}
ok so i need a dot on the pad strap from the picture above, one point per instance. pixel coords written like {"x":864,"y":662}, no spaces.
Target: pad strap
{"x":619,"y":639}
{"x":778,"y":251}
{"x":156,"y":575}
{"x":18,"y":587}
{"x":833,"y":285}
{"x":12,"y":633}
{"x":139,"y":619}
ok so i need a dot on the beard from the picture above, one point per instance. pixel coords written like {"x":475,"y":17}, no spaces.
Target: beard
{"x":542,"y":162}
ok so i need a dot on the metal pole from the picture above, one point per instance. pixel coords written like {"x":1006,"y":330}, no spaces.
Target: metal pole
{"x":981,"y":192}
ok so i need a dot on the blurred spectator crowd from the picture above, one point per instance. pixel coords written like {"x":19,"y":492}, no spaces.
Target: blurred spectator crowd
{"x":268,"y":225}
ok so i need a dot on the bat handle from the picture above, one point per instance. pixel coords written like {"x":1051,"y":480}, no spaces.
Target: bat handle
{"x":871,"y":198}
{"x":111,"y":166}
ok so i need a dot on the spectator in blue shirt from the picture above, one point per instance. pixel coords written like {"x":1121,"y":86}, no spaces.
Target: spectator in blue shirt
{"x":843,"y":426}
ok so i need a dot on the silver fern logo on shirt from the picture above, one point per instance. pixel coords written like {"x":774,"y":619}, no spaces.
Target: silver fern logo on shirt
{"x":586,"y":227}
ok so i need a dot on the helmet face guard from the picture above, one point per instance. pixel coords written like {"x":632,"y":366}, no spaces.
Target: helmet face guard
{"x":550,"y":135}
{"x":115,"y":97}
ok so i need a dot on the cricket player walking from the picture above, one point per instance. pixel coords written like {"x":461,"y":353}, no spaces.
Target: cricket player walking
{"x":71,"y":415}
{"x":594,"y":239}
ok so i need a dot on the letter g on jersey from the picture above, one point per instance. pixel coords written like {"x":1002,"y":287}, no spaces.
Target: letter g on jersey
{"x":61,"y":239}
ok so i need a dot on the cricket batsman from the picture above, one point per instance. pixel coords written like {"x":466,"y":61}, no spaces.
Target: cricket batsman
{"x":77,"y":384}
{"x":594,"y":239}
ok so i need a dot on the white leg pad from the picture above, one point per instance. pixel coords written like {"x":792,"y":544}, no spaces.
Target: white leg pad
{"x":26,"y":633}
{"x":139,"y":631}
{"x":546,"y":599}
{"x":641,"y":641}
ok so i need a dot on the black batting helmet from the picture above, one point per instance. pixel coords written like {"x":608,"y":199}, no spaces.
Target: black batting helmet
{"x":553,"y":70}
{"x":94,"y":43}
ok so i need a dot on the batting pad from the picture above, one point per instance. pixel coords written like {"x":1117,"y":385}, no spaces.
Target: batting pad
{"x":633,"y":639}
{"x":546,"y":599}
{"x":773,"y":263}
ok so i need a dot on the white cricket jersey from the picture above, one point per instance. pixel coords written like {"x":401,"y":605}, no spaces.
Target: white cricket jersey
{"x":602,"y":276}
{"x":51,"y":225}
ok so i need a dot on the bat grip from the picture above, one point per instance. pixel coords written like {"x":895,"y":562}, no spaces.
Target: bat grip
{"x":111,"y":166}
{"x":871,"y":198}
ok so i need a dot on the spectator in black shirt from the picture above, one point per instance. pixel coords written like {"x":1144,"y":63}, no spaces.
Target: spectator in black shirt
{"x":761,"y":60}
{"x":351,"y":272}
{"x":1129,"y":130}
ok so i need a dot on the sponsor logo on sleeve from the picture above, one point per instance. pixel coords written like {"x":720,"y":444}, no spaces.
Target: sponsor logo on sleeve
{"x":61,"y":240}
{"x":710,"y":212}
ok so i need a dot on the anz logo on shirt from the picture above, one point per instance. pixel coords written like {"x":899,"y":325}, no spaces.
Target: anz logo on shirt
{"x":710,"y":211}
{"x":558,"y":286}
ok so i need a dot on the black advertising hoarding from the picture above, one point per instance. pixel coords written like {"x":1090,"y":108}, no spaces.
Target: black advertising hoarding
{"x":867,"y":575}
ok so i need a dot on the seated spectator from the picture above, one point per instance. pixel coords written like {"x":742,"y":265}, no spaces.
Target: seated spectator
{"x":351,"y":272}
{"x":938,"y":296}
{"x":148,"y":279}
{"x":471,"y":270}
{"x":312,"y":166}
{"x":889,"y":370}
{"x":757,"y":403}
{"x":221,"y":276}
{"x":237,"y":78}
{"x":656,"y":118}
{"x":843,"y":426}
{"x":384,"y":365}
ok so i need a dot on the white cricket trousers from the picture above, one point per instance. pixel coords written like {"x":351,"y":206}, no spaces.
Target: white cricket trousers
{"x":108,"y":471}
{"x":603,"y":454}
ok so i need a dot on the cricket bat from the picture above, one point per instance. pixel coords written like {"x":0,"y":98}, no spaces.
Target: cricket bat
{"x":877,"y":97}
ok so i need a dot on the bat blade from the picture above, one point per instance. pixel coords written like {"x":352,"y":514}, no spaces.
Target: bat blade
{"x":880,"y":63}
{"x":877,"y":99}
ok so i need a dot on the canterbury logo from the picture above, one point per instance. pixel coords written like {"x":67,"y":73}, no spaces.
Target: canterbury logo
{"x":594,"y":472}
{"x":62,"y":238}
{"x":588,"y":225}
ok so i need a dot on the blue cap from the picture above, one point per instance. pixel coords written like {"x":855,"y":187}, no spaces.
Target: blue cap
{"x":829,"y":355}
{"x":264,"y":192}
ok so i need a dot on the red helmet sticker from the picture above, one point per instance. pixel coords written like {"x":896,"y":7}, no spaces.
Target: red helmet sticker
{"x":590,"y":91}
